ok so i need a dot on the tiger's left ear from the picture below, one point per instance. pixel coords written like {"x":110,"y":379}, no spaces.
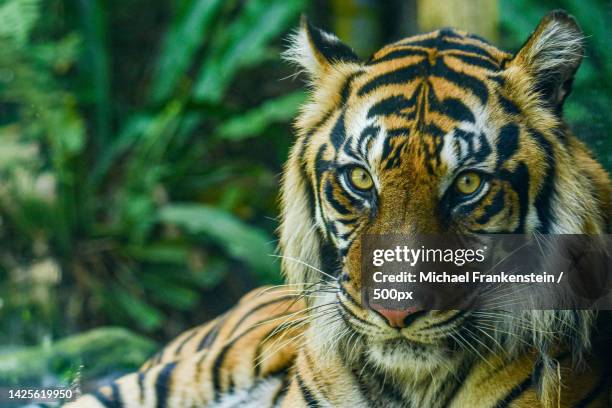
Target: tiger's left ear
{"x":317,"y":51}
{"x":552,"y":55}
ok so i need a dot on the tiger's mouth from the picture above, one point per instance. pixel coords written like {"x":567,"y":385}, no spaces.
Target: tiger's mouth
{"x":428,"y":340}
{"x":415,"y":328}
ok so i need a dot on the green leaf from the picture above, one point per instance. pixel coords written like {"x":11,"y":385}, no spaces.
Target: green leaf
{"x":188,"y":32}
{"x":242,"y":43}
{"x":240,"y":240}
{"x":95,"y":63}
{"x":163,"y":289}
{"x":145,"y":315}
{"x":255,"y":121}
{"x":164,"y":253}
{"x":17,"y":19}
{"x":135,"y":127}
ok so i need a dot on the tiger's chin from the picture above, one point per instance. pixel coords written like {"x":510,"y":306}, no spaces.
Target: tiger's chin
{"x":402,"y":355}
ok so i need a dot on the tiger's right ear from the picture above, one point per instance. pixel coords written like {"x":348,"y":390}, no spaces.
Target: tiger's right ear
{"x":316,"y":51}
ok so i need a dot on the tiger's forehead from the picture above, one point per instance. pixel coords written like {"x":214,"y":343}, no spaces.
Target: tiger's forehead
{"x":426,"y":72}
{"x":443,"y":42}
{"x":422,"y":91}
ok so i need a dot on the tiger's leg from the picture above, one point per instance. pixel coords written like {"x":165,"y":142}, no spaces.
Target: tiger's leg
{"x":245,"y":353}
{"x":322,"y":379}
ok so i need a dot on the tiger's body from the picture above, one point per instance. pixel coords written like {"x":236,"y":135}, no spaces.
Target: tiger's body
{"x":435,"y":133}
{"x":252,"y":357}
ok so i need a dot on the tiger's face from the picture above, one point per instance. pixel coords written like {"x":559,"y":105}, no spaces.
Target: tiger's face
{"x":438,"y":133}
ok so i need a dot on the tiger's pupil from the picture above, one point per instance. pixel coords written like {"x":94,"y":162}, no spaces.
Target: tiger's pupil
{"x":468,"y":183}
{"x":360,"y":179}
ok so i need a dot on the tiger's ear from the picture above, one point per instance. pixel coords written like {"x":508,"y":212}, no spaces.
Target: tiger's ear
{"x":317,"y":51}
{"x":552,"y":55}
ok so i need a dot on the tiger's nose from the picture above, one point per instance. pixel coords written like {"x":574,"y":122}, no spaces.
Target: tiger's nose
{"x":400,"y":318}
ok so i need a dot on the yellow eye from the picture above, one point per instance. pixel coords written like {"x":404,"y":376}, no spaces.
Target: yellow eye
{"x":360,"y":178}
{"x":468,"y":182}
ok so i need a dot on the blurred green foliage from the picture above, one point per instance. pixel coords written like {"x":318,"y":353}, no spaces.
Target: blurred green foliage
{"x":587,"y":107}
{"x":142,"y":143}
{"x":95,"y":353}
{"x":132,"y":200}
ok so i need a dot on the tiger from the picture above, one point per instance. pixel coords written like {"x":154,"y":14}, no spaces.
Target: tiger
{"x":439,"y":132}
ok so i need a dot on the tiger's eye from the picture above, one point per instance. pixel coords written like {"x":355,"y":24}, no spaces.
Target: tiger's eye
{"x":468,"y":182}
{"x":360,"y":178}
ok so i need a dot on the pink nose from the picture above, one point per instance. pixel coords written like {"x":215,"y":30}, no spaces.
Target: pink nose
{"x":398,"y":318}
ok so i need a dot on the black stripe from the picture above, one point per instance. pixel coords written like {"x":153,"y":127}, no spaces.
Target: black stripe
{"x":411,"y":318}
{"x":378,"y":390}
{"x":497,"y":204}
{"x":365,"y":391}
{"x":332,"y":50}
{"x":220,"y":359}
{"x":455,"y":109}
{"x":477,"y":61}
{"x":257,"y":308}
{"x":543,"y":198}
{"x":507,"y":105}
{"x":346,"y":88}
{"x":455,"y":382}
{"x":447,"y":321}
{"x":401,"y":53}
{"x":275,"y":331}
{"x":312,"y":131}
{"x":392,"y":151}
{"x":282,"y":391}
{"x":366,"y":136}
{"x":507,"y":143}
{"x":348,"y":221}
{"x":321,"y":165}
{"x":187,"y":338}
{"x":348,"y":149}
{"x":338,"y":133}
{"x":312,"y":188}
{"x":498,"y":79}
{"x":536,"y":375}
{"x":141,"y":390}
{"x":519,"y":179}
{"x":162,"y":385}
{"x":346,"y":314}
{"x":472,"y":48}
{"x":210,"y":337}
{"x":462,"y":80}
{"x":443,"y":44}
{"x":337,"y":205}
{"x":156,"y":358}
{"x":447,"y":32}
{"x":104,"y":400}
{"x":401,"y":131}
{"x":216,"y":369}
{"x":393,"y":104}
{"x":307,"y":395}
{"x":473,"y":156}
{"x":515,"y":393}
{"x":116,"y":395}
{"x":594,"y":393}
{"x":398,"y":76}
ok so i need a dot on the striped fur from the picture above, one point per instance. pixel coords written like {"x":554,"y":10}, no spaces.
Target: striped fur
{"x":212,"y":365}
{"x":416,"y":116}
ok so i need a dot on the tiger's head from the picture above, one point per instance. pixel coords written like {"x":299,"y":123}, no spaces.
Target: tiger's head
{"x":440,"y":132}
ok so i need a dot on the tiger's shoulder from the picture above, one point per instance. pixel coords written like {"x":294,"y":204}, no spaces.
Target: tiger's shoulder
{"x":246,"y":353}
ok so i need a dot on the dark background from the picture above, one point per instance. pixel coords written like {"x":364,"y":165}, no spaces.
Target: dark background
{"x":142,"y":142}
